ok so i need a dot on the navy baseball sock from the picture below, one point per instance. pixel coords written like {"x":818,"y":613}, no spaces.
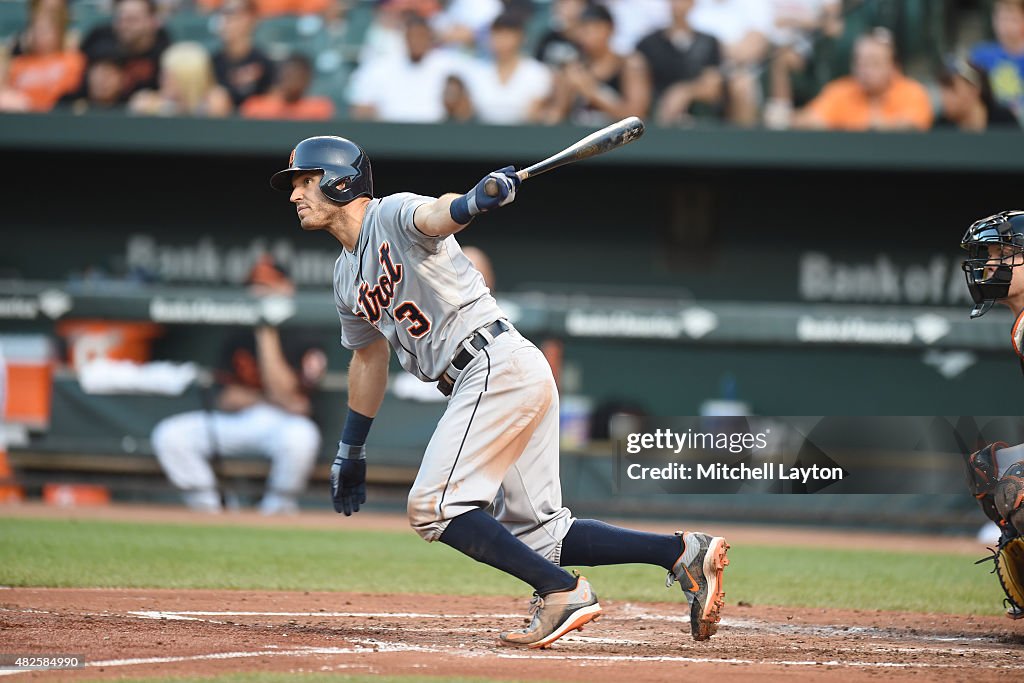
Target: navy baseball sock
{"x":483,"y":538}
{"x":591,"y":543}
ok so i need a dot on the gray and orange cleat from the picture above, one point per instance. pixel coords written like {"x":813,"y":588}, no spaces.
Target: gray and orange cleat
{"x":554,"y":615}
{"x":699,"y":573}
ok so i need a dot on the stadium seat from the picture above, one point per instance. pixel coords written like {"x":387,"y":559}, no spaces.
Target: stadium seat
{"x":357,"y":23}
{"x":917,"y":26}
{"x":330,"y":80}
{"x":85,"y":16}
{"x":201,"y":28}
{"x":13,"y":17}
{"x":537,"y":26}
{"x":279,"y":36}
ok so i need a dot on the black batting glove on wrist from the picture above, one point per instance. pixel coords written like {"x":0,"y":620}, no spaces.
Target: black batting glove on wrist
{"x":477,"y":200}
{"x":348,"y":479}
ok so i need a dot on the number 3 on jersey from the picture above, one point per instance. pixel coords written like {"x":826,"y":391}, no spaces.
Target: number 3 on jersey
{"x":420,"y":324}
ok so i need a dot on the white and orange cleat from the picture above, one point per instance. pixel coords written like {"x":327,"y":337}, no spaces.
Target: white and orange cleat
{"x":699,"y":573}
{"x":554,"y":615}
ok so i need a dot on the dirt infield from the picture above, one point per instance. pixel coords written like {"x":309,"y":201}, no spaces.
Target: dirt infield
{"x":150,"y":632}
{"x":141,"y":632}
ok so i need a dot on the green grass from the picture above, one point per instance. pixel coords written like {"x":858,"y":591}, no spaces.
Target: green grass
{"x":122,"y":554}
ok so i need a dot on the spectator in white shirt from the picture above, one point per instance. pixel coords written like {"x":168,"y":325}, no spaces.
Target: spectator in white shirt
{"x":404,"y":88}
{"x":464,"y":22}
{"x":742,"y":28}
{"x":635,"y":19}
{"x":511,"y":88}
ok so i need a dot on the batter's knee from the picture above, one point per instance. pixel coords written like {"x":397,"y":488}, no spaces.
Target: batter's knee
{"x":424,"y":514}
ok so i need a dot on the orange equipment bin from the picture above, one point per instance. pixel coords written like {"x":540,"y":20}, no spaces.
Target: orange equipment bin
{"x":26,"y":384}
{"x":91,"y":339}
{"x":29,"y":361}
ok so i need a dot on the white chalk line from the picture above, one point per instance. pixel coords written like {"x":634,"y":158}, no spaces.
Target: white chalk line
{"x":734,"y":623}
{"x":508,"y":654}
{"x":371,"y":646}
{"x":158,"y":614}
{"x":211,"y":656}
{"x":741,"y":623}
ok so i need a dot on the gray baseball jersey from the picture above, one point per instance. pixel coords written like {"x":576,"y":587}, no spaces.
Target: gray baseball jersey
{"x":419,"y":292}
{"x":497,"y":441}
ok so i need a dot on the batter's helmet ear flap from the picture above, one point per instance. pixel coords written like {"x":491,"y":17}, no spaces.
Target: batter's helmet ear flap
{"x":346,"y":168}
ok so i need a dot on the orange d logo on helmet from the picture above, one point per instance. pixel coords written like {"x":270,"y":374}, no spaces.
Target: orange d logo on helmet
{"x":291,"y":158}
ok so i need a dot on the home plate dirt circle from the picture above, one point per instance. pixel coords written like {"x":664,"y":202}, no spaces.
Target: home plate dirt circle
{"x":202,"y":632}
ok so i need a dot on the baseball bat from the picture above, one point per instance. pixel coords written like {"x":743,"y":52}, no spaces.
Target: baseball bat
{"x":605,"y":140}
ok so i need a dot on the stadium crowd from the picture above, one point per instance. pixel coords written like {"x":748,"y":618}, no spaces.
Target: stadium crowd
{"x":816,"y":64}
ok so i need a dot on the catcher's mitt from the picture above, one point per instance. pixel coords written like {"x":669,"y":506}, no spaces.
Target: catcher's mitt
{"x":1009,"y":568}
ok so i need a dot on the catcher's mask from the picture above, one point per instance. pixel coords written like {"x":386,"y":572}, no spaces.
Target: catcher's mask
{"x":341,"y":160}
{"x":989,"y":274}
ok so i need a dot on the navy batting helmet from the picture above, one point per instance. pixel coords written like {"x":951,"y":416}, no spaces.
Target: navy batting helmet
{"x":988,"y":274}
{"x":341,"y":160}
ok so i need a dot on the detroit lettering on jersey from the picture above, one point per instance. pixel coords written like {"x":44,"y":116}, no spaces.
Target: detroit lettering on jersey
{"x":374,"y":301}
{"x":419,"y":292}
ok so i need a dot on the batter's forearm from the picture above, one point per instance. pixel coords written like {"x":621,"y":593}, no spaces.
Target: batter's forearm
{"x":450,"y":213}
{"x":435,"y":218}
{"x":368,"y":378}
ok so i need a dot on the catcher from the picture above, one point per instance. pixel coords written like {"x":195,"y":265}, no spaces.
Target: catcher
{"x":995,"y":474}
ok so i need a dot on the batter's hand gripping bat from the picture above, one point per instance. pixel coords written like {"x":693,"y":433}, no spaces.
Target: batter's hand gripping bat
{"x":605,"y":140}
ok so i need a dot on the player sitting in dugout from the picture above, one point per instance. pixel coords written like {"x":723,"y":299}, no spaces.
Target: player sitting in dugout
{"x":263,"y":408}
{"x":995,"y":474}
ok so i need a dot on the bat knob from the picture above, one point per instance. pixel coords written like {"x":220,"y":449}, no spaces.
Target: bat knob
{"x":491,"y":187}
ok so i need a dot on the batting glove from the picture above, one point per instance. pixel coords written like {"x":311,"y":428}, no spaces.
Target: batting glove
{"x":348,"y":479}
{"x":477,"y":200}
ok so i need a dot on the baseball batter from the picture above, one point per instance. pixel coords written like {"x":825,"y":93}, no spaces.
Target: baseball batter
{"x":995,"y":474}
{"x":488,"y":484}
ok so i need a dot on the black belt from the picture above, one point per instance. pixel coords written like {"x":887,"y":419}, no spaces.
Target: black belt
{"x":462,"y":358}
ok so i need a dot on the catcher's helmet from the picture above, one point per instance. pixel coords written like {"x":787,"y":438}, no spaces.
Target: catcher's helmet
{"x":341,"y":160}
{"x":988,"y":276}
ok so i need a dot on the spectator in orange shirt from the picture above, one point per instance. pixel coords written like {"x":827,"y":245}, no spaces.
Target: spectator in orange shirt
{"x":876,"y":96}
{"x":288,"y":99}
{"x":41,"y":76}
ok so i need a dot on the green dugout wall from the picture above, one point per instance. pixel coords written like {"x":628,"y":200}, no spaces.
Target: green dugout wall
{"x":842,"y":248}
